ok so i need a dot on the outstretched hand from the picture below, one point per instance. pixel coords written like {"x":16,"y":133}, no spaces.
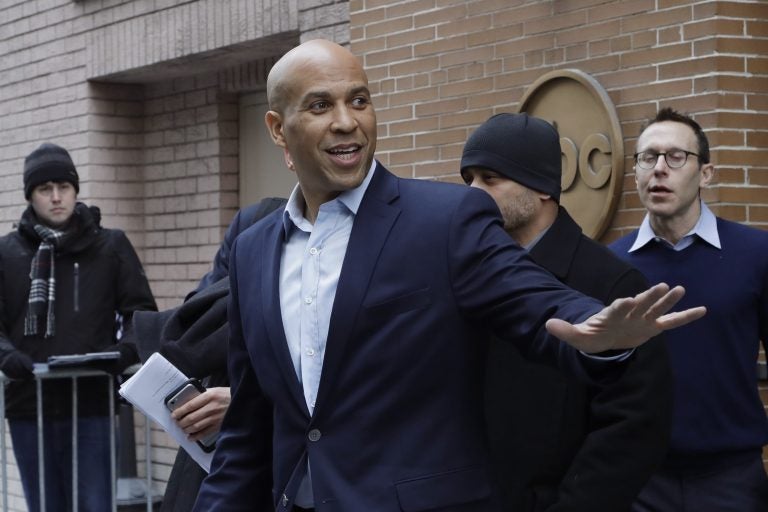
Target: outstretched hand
{"x":627,"y":323}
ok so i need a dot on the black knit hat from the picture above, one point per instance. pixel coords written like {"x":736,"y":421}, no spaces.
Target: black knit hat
{"x":48,"y":162}
{"x":523,"y":148}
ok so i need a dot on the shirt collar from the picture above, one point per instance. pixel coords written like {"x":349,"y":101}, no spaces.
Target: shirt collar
{"x":294,"y":209}
{"x":536,"y":239}
{"x":705,"y":228}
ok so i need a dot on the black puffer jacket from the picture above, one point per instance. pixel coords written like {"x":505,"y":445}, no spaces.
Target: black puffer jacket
{"x":98,"y":274}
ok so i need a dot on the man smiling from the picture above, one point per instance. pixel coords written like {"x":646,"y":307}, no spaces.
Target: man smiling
{"x":355,"y":314}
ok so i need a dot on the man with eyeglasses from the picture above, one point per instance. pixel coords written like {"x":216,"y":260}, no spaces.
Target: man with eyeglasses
{"x":719,"y":424}
{"x":357,"y":316}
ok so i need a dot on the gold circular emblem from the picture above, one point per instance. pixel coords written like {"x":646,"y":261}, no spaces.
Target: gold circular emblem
{"x":591,"y":142}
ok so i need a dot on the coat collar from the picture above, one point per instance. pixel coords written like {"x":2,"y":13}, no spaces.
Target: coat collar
{"x":556,"y":249}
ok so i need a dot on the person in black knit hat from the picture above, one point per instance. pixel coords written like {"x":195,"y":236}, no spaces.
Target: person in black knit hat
{"x":49,"y":162}
{"x":520,"y":147}
{"x":64,"y":279}
{"x":353,"y":314}
{"x":557,"y":444}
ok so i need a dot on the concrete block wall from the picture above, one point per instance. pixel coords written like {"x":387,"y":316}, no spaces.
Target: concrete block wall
{"x":15,"y":496}
{"x":144,"y":95}
{"x":113,"y":158}
{"x":80,"y":73}
{"x":190,"y":181}
{"x":136,"y":39}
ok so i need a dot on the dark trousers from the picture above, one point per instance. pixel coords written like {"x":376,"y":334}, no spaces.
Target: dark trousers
{"x":94,"y":482}
{"x":741,"y":487}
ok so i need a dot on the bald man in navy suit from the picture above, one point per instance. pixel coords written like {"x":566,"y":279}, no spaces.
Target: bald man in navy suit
{"x":355,"y":312}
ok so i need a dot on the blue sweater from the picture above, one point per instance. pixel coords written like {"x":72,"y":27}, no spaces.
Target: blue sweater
{"x":717,"y":407}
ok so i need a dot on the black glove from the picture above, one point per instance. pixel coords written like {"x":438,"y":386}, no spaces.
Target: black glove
{"x":128,"y":356}
{"x":17,"y":365}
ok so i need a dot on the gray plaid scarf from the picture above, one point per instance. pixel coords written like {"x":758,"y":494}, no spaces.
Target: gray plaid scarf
{"x":42,"y":292}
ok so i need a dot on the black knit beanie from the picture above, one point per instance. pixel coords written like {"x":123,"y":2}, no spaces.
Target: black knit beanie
{"x":48,"y":162}
{"x":523,"y":148}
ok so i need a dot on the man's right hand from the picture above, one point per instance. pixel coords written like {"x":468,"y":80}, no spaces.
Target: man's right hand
{"x":204,"y":414}
{"x":627,"y":323}
{"x":17,"y":365}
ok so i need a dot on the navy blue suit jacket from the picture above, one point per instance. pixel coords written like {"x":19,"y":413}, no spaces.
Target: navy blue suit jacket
{"x":398,"y":421}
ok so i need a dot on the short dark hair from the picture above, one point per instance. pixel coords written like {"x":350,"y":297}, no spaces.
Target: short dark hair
{"x":670,"y":114}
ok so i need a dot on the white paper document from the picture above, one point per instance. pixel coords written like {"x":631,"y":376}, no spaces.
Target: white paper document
{"x":147,"y":389}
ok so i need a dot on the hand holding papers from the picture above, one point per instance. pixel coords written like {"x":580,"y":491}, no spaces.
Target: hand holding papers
{"x":147,"y":390}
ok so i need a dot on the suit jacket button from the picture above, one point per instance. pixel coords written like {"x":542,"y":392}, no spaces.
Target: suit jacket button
{"x":314,"y":435}
{"x":284,"y":500}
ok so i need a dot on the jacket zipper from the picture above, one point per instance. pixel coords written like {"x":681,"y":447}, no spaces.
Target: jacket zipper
{"x":77,"y":287}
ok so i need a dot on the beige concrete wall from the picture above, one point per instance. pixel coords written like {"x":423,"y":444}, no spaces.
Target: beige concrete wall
{"x":144,"y":95}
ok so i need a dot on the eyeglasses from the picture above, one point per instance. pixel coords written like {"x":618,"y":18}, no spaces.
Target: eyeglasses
{"x":675,"y":159}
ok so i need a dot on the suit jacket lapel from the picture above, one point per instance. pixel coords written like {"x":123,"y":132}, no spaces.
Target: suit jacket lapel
{"x":273,"y":319}
{"x":372,"y":225}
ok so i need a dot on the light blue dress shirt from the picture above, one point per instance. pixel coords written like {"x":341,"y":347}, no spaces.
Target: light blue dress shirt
{"x":310,"y":265}
{"x":705,"y":228}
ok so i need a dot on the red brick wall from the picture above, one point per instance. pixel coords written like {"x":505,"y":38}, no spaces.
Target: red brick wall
{"x":439,"y":68}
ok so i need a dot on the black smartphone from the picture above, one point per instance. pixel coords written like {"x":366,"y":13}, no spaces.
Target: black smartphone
{"x":181,"y":395}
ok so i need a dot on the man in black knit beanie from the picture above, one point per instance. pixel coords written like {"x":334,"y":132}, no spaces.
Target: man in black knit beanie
{"x":556,"y":443}
{"x":64,"y":280}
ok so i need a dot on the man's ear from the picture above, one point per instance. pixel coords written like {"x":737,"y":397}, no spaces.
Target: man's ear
{"x":707,"y":173}
{"x":288,"y":159}
{"x":275,"y":127}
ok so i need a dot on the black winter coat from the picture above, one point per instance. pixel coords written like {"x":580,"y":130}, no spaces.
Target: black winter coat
{"x":556,"y":445}
{"x":98,"y":275}
{"x":194,"y":337}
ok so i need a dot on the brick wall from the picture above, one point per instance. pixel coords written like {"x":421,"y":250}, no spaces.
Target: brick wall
{"x":439,"y":69}
{"x":132,"y":89}
{"x":190,"y":182}
{"x":111,"y":167}
{"x":144,"y":95}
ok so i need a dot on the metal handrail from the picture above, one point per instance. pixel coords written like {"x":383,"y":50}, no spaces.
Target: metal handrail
{"x":42,"y":372}
{"x":3,"y":457}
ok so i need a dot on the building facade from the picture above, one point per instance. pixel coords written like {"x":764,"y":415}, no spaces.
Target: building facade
{"x":161,"y":102}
